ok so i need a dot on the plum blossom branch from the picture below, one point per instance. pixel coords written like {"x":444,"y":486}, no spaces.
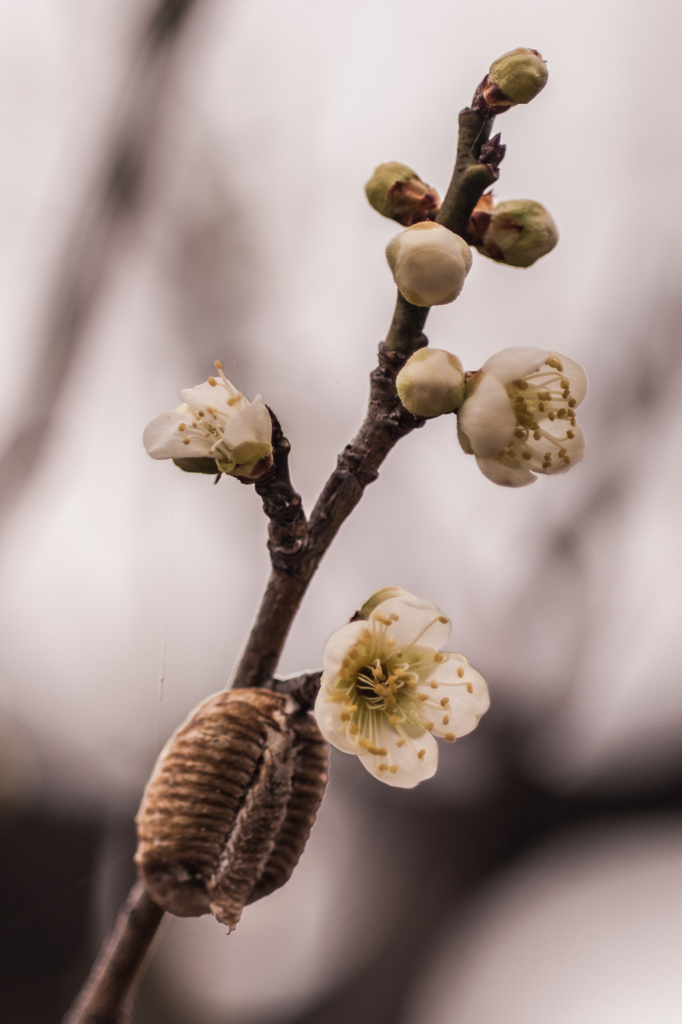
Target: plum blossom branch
{"x":296,"y":546}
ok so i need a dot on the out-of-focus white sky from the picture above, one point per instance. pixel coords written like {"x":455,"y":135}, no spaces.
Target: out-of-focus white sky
{"x":257,"y":247}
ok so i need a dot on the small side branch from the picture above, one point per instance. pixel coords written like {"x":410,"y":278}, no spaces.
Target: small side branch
{"x":288,"y":530}
{"x":108,"y":989}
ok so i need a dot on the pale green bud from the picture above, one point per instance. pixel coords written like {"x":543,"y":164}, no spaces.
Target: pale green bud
{"x":431,"y":383}
{"x":396,"y":191}
{"x":519,"y":75}
{"x":517,"y":232}
{"x":377,"y":598}
{"x":429,"y":263}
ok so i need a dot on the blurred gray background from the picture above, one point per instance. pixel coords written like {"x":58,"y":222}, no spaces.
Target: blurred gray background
{"x":183,"y":181}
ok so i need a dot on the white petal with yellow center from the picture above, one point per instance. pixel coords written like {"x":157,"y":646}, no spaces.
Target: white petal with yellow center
{"x":386,"y":689}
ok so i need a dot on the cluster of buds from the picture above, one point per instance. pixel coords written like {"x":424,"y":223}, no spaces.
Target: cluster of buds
{"x":396,"y":191}
{"x":429,"y":264}
{"x":515,"y":77}
{"x":517,"y":232}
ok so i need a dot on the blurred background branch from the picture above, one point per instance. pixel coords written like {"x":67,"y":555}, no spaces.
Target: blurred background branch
{"x":110,"y":206}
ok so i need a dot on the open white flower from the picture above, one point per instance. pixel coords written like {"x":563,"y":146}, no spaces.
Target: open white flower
{"x":215,"y":422}
{"x":387,"y":689}
{"x":519,"y":415}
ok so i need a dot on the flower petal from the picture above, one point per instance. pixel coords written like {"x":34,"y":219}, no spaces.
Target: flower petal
{"x":216,"y":395}
{"x":515,"y":362}
{"x":250,"y":421}
{"x":328,"y":717}
{"x":337,"y":648}
{"x":505,"y":476}
{"x":487,"y":417}
{"x":411,"y":768}
{"x":575,"y":375}
{"x":463,"y":709}
{"x":163,"y":439}
{"x":417,"y":622}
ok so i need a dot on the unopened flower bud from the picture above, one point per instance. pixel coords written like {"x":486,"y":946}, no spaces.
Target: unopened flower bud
{"x":396,"y":191}
{"x":517,"y":232}
{"x":230,"y":804}
{"x":431,"y":383}
{"x":429,"y":263}
{"x":515,"y":77}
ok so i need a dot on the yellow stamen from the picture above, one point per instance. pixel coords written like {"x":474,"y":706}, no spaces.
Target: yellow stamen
{"x":450,"y":737}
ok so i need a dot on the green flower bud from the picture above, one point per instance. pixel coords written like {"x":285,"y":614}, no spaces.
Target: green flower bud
{"x":429,"y":263}
{"x":520,"y":74}
{"x":396,"y":191}
{"x":431,"y":383}
{"x":517,"y":232}
{"x":377,"y":598}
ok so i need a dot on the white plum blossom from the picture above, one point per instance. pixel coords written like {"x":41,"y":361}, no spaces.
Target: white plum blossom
{"x":215,"y":422}
{"x":387,"y":689}
{"x":518,"y":418}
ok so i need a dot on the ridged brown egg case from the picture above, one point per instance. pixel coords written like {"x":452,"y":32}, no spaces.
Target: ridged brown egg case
{"x":230,"y":804}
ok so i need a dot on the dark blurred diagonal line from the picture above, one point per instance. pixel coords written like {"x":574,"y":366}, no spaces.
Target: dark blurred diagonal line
{"x":114,"y":200}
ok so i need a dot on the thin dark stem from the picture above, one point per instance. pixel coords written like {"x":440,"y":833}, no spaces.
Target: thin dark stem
{"x":103,"y":998}
{"x":358,"y":465}
{"x":288,"y":530}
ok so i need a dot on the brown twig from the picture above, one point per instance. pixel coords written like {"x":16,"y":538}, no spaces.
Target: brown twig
{"x":297,"y":546}
{"x":288,"y":530}
{"x":104,"y":996}
{"x":358,"y":465}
